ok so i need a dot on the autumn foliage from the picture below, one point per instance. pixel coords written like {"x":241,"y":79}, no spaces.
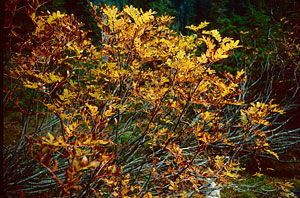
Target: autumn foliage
{"x":141,"y":113}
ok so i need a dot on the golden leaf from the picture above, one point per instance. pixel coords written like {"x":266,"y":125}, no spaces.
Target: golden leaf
{"x":148,"y":195}
{"x":273,"y":153}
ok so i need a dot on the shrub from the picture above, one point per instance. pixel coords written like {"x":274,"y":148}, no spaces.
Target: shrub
{"x":140,"y":114}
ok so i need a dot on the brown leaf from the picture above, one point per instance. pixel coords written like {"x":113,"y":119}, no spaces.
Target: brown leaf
{"x":93,"y":164}
{"x":47,"y":159}
{"x":76,"y":187}
{"x":84,"y":161}
{"x":54,"y":167}
{"x":76,"y":163}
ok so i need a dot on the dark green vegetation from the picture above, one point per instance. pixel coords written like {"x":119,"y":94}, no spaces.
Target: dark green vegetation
{"x":269,"y":32}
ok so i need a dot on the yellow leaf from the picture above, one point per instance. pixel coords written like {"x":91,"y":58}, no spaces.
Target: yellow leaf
{"x":32,"y":16}
{"x":199,"y":27}
{"x":258,"y":175}
{"x":148,"y":195}
{"x":50,"y":136}
{"x":216,"y":35}
{"x":231,"y":175}
{"x":266,"y":144}
{"x":239,"y":74}
{"x":31,"y":85}
{"x":101,"y":142}
{"x":244,"y":118}
{"x":180,"y":54}
{"x":273,"y":153}
{"x":172,"y":183}
{"x":206,"y":137}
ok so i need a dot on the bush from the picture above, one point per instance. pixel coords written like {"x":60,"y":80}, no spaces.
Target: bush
{"x":140,"y":114}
